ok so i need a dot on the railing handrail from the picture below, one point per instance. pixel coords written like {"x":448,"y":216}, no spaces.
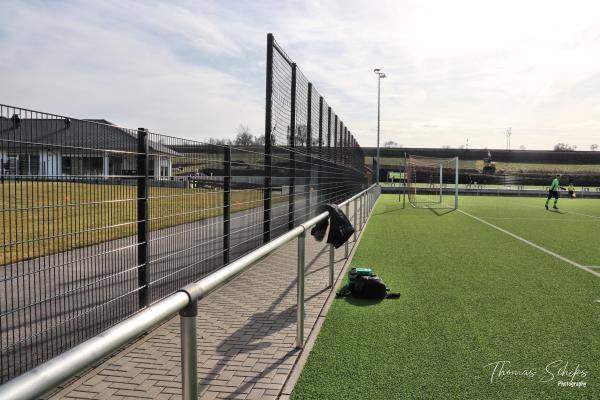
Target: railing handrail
{"x":50,"y":374}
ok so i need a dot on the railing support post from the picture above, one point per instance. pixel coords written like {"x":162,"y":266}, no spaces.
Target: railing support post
{"x":354,"y":217}
{"x":189,"y":351}
{"x":331,"y":264}
{"x":142,"y":216}
{"x":300,"y":291}
{"x":347,"y":214}
{"x":362,"y":211}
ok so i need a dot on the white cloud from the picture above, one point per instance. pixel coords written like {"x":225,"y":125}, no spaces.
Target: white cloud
{"x":456,"y":70}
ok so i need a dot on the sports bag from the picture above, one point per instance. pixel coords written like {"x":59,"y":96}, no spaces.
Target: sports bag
{"x":364,"y":284}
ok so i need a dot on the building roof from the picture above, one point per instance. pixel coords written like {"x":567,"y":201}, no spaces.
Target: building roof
{"x":73,"y":134}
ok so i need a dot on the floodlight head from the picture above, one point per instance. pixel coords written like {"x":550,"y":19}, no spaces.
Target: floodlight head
{"x":382,"y":75}
{"x":376,"y":70}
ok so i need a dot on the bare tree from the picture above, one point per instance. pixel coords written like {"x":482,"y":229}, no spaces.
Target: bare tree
{"x":219,"y":142}
{"x":564,"y":147}
{"x":594,"y":147}
{"x":390,"y":143}
{"x":522,"y":147}
{"x":243,"y":137}
{"x":259,"y":140}
{"x":314,"y":140}
{"x":301,"y":136}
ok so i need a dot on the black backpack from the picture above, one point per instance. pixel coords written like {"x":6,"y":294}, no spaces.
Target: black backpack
{"x":368,"y":287}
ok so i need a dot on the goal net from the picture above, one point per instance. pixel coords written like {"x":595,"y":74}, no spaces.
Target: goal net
{"x":432,"y":182}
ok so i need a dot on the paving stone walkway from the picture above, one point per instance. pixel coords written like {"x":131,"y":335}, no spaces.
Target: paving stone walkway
{"x":246,"y":337}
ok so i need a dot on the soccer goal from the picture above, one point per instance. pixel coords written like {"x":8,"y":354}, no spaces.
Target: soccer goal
{"x":431,"y":182}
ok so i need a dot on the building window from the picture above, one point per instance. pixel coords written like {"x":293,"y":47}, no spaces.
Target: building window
{"x":66,"y":165}
{"x":21,"y":164}
{"x":82,"y":166}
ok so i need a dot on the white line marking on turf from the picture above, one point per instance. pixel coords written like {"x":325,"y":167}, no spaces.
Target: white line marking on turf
{"x":566,"y":212}
{"x":537,"y":246}
{"x":536,"y":219}
{"x":585,"y":215}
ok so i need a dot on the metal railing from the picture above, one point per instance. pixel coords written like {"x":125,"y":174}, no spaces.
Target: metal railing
{"x":47,"y":376}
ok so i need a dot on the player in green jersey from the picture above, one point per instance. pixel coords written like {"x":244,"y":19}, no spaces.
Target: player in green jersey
{"x":553,"y":192}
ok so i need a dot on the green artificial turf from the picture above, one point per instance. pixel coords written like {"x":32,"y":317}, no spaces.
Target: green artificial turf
{"x":471,"y":296}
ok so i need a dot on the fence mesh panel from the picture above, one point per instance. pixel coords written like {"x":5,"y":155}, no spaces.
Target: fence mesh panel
{"x":99,"y":221}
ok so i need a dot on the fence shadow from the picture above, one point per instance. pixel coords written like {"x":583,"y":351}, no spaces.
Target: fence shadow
{"x":262,"y":325}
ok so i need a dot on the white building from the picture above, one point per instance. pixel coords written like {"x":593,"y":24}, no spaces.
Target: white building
{"x":58,"y":147}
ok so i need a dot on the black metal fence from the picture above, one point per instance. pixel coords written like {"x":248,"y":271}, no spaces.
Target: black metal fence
{"x":98,"y":221}
{"x":305,"y":142}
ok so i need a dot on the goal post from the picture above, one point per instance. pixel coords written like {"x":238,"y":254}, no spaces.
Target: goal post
{"x":431,"y":182}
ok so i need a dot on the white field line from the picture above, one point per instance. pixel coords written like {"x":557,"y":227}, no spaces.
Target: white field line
{"x":567,"y":212}
{"x":535,"y":219}
{"x":585,"y":215}
{"x":537,"y":246}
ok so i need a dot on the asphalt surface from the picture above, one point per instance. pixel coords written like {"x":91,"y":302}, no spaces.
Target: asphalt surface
{"x":49,"y":304}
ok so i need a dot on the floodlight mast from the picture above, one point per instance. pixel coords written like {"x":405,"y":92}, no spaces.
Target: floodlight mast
{"x":380,"y":75}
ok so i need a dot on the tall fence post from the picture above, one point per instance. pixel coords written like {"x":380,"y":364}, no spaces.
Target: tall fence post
{"x":328,"y":188}
{"x":267,"y":191}
{"x":335,"y":194}
{"x":320,"y":157}
{"x":292,"y":153}
{"x":300,"y":291}
{"x":142,"y":216}
{"x":226,"y":204}
{"x":189,"y":351}
{"x":307,"y":164}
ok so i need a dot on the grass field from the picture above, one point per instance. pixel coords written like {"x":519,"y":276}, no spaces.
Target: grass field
{"x":42,"y":218}
{"x":472,"y":297}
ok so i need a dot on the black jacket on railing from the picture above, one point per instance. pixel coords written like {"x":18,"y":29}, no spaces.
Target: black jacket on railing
{"x":341,"y":229}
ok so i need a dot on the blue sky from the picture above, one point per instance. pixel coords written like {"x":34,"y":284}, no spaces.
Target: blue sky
{"x":456,"y":70}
